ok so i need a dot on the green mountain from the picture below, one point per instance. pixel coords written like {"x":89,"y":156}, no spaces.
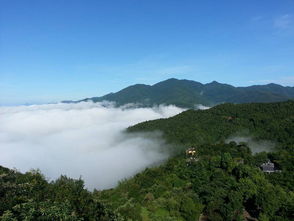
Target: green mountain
{"x":186,"y":93}
{"x":224,"y":182}
{"x":272,"y":121}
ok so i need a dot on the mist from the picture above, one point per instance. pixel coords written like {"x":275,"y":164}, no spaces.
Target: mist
{"x":255,"y":146}
{"x":201,"y":107}
{"x":85,"y":140}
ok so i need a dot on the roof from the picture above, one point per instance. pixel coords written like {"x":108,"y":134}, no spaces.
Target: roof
{"x":268,"y":167}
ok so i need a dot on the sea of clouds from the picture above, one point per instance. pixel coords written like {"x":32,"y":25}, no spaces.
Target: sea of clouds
{"x":83,"y":139}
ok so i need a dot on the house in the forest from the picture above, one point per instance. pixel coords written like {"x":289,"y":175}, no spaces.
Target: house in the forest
{"x":268,"y":167}
{"x":191,"y":155}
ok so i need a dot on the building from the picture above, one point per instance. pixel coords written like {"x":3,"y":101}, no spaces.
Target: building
{"x":191,"y":155}
{"x":268,"y":167}
{"x":191,"y":152}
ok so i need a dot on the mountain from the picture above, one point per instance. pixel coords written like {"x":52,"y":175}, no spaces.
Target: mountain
{"x":269,"y":121}
{"x":225,"y":182}
{"x":187,"y":93}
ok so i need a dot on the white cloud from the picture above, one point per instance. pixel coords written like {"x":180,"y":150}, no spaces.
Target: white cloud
{"x":84,"y":139}
{"x":256,"y":146}
{"x":283,"y":22}
{"x":201,"y":107}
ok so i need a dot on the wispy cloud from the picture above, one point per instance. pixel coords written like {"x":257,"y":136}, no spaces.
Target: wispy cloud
{"x":257,"y":18}
{"x":255,"y":145}
{"x":283,"y":22}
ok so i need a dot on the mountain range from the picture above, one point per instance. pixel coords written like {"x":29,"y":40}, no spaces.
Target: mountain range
{"x":188,"y":93}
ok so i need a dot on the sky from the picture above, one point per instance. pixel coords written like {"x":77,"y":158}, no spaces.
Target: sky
{"x":53,"y":50}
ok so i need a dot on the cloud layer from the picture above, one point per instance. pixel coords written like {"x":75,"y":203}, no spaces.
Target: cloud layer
{"x":84,"y":139}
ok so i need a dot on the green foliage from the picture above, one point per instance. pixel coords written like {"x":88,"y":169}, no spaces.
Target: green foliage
{"x":226,"y":181}
{"x":216,"y":186}
{"x":272,"y":121}
{"x":31,"y":197}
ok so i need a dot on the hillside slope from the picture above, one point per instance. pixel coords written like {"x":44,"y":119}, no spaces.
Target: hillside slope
{"x":226,"y":182}
{"x":273,"y":121}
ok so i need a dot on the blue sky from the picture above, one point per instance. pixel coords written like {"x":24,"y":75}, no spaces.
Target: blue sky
{"x":52,"y":50}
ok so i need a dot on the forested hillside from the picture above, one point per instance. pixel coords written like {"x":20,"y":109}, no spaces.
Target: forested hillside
{"x":219,"y":186}
{"x":273,"y":121}
{"x":30,"y":196}
{"x":225,"y":181}
{"x":186,"y":93}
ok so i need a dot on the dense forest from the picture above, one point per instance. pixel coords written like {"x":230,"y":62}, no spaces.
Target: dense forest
{"x":224,"y":182}
{"x":272,"y":121}
{"x":217,"y":187}
{"x":30,"y":196}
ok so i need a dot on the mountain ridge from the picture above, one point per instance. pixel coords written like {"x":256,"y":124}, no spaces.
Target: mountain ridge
{"x":188,"y":93}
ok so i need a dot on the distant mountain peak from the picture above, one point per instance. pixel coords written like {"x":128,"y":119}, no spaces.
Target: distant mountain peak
{"x":172,"y":79}
{"x":213,"y":83}
{"x":188,"y":93}
{"x":274,"y":85}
